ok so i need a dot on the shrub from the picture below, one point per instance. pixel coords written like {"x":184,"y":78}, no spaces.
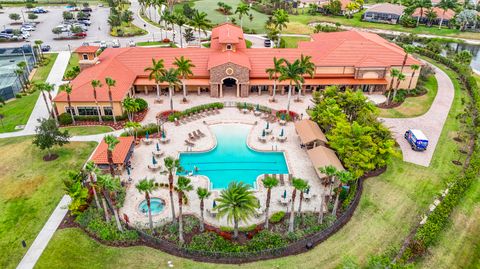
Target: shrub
{"x":226,"y":229}
{"x":248,"y":228}
{"x":212,"y":242}
{"x":95,"y":118}
{"x":266,"y":240}
{"x":194,"y":109}
{"x":277,"y":217}
{"x":65,"y":119}
{"x":18,"y":96}
{"x":288,"y":117}
{"x":141,"y":103}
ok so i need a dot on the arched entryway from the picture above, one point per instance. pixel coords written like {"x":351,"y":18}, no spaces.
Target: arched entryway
{"x":229,"y":86}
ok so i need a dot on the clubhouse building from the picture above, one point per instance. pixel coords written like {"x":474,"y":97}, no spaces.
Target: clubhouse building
{"x":351,"y":59}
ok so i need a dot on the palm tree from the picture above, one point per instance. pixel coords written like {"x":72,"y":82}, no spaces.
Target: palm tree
{"x":200,"y":22}
{"x":96,"y":84}
{"x":130,"y":106}
{"x":414,"y":67}
{"x":237,"y":202}
{"x":408,"y":49}
{"x":330,"y":172}
{"x":393,"y":74}
{"x":102,"y":181}
{"x":431,"y":15}
{"x":133,"y":126}
{"x":92,"y":171}
{"x":293,"y":73}
{"x":298,"y":184}
{"x":400,"y":78}
{"x":111,"y":142}
{"x":280,"y":20}
{"x":39,"y":44}
{"x":23,"y":66}
{"x":183,"y":186}
{"x":156,"y":71}
{"x":68,"y":89}
{"x":184,"y":70}
{"x":273,"y":73}
{"x":242,"y":9}
{"x":344,"y":177}
{"x":422,"y":4}
{"x":268,"y":183}
{"x":445,"y":5}
{"x":171,"y":77}
{"x":111,"y":83}
{"x":49,"y":88}
{"x":147,"y":186}
{"x":308,"y":68}
{"x":302,"y":186}
{"x":202,"y":194}
{"x":110,"y":187}
{"x":40,"y":86}
{"x":21,"y":76}
{"x":173,"y":166}
{"x":180,"y":20}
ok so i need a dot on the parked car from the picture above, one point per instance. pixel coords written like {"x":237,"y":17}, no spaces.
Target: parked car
{"x":85,"y":44}
{"x":103,"y":45}
{"x":81,"y":34}
{"x":85,"y":22}
{"x":27,"y":28}
{"x":25,"y":34}
{"x":267,"y":43}
{"x":45,"y":48}
{"x":115,"y":43}
{"x":82,"y":26}
{"x":87,"y":9}
{"x":39,"y":10}
{"x":131,"y":43}
{"x":7,"y":31}
{"x":6,"y":36}
{"x":417,"y":140}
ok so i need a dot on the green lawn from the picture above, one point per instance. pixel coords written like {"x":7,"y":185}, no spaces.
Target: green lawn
{"x":292,"y":41}
{"x":73,"y":61}
{"x":29,"y":192}
{"x":17,"y":112}
{"x":414,"y":106}
{"x":87,"y":130}
{"x":149,"y":43}
{"x":390,"y":206}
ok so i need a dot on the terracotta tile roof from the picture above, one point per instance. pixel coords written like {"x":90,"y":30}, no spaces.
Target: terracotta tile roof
{"x":449,"y":14}
{"x":343,"y":2}
{"x":87,"y":49}
{"x":119,"y":153}
{"x":227,"y":33}
{"x":219,"y":58}
{"x":322,"y":156}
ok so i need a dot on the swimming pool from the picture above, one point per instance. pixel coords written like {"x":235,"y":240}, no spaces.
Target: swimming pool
{"x":156,"y":205}
{"x":232,"y":159}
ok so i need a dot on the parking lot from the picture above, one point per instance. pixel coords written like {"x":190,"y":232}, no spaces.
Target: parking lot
{"x":97,"y":31}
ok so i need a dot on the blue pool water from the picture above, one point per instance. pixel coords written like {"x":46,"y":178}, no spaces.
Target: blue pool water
{"x":156,"y":205}
{"x":232,"y":159}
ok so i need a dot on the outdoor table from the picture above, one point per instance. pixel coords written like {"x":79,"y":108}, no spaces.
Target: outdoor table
{"x":147,"y":141}
{"x":284,"y":201}
{"x":164,"y":140}
{"x":281,"y":138}
{"x":262,"y":138}
{"x":268,"y":131}
{"x":157,"y":153}
{"x":244,"y":111}
{"x":154,"y":166}
{"x":282,"y":122}
{"x":257,"y":112}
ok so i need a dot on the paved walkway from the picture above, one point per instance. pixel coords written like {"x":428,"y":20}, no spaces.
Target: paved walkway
{"x":431,"y":123}
{"x":41,"y":241}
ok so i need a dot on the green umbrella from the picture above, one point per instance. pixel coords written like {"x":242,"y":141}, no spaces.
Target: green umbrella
{"x":158,"y":147}
{"x":154,"y":161}
{"x":163,"y":134}
{"x":245,"y":105}
{"x":146,"y":135}
{"x":281,"y":132}
{"x":283,"y":117}
{"x":268,"y":125}
{"x":263,"y":133}
{"x":258,"y":107}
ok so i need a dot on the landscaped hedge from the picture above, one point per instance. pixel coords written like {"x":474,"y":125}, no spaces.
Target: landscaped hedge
{"x":194,"y":109}
{"x":429,"y":232}
{"x":142,"y":131}
{"x":250,"y":106}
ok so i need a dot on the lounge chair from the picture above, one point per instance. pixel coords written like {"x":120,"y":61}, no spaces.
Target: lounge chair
{"x":197,"y":136}
{"x":177,"y":123}
{"x":189,"y":143}
{"x":191,"y":137}
{"x":200,"y":132}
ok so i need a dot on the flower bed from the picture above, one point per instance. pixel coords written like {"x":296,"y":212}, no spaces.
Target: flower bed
{"x":288,"y":117}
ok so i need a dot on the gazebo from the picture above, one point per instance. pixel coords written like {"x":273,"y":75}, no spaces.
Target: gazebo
{"x":121,"y":154}
{"x":322,"y":156}
{"x":310,"y":133}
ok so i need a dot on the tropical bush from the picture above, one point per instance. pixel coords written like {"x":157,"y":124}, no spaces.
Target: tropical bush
{"x":266,"y":240}
{"x":277,"y":217}
{"x":65,"y":119}
{"x":194,"y":109}
{"x":142,"y":104}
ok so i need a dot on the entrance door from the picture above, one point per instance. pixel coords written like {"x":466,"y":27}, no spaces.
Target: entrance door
{"x":229,"y":87}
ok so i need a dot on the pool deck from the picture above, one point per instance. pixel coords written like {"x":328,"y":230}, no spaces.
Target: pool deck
{"x":297,"y":160}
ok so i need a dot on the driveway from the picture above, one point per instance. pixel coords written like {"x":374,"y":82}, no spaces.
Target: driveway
{"x":431,"y":123}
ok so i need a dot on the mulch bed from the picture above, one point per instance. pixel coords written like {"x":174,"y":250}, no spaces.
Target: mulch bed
{"x":139,"y":116}
{"x":50,"y":157}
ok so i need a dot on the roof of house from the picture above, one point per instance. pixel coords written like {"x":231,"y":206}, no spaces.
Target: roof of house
{"x":387,"y":8}
{"x":449,"y":14}
{"x":120,"y":151}
{"x":309,"y":132}
{"x":322,"y":156}
{"x":325,"y":2}
{"x":87,"y":49}
{"x":227,"y":33}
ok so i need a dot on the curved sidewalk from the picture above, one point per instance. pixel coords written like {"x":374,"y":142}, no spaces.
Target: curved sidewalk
{"x":431,"y":123}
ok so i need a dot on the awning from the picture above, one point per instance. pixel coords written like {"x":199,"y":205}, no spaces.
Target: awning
{"x":309,"y":132}
{"x":321,"y":156}
{"x":147,"y":82}
{"x":192,"y":82}
{"x":121,"y":153}
{"x":324,"y":81}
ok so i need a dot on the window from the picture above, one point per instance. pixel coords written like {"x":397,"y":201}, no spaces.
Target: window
{"x":229,"y":46}
{"x":70,"y":110}
{"x":107,"y":111}
{"x":87,"y":111}
{"x":85,"y":56}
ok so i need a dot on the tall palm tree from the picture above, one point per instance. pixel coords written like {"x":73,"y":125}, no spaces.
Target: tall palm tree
{"x":68,"y":90}
{"x":242,"y":10}
{"x":422,"y":4}
{"x":202,"y":194}
{"x":302,"y":187}
{"x":21,"y":77}
{"x":393,"y":74}
{"x":343,"y":177}
{"x":414,"y":67}
{"x":39,"y":44}
{"x":400,"y":78}
{"x":237,"y":202}
{"x":269,"y":183}
{"x":147,"y":186}
{"x":293,"y":73}
{"x":200,"y":22}
{"x":298,"y":184}
{"x":280,"y":20}
{"x":173,"y":166}
{"x":96,"y":84}
{"x":156,"y":70}
{"x":102,"y":181}
{"x":273,"y":73}
{"x":110,"y":186}
{"x":133,"y":126}
{"x":408,"y":49}
{"x":49,"y":88}
{"x":92,"y":171}
{"x":330,"y":172}
{"x":111,"y":142}
{"x":308,"y":68}
{"x":111,"y":83}
{"x":40,"y":86}
{"x":184,"y":70}
{"x":445,"y":5}
{"x":180,"y":20}
{"x":183,"y":186}
{"x":23,"y":66}
{"x":171,"y":77}
{"x":130,"y":106}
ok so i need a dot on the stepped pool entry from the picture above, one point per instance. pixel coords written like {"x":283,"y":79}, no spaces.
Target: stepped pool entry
{"x":231,"y":159}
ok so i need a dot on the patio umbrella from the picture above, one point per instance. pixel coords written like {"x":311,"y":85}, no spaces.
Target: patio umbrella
{"x":214,"y":204}
{"x":258,"y":107}
{"x":154,"y":161}
{"x":146,"y":135}
{"x":268,"y":125}
{"x":284,"y":194}
{"x":283,"y":117}
{"x":245,"y":105}
{"x":128,"y":171}
{"x":281,"y":132}
{"x":307,"y":191}
{"x":158,"y":147}
{"x":263,"y":133}
{"x":163,"y":134}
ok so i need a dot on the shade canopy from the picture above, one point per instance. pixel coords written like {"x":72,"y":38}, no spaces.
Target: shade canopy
{"x":322,"y":156}
{"x":309,"y":132}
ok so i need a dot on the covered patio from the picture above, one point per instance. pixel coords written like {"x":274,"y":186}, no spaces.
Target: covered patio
{"x":322,"y":156}
{"x":310,"y":133}
{"x":121,"y":154}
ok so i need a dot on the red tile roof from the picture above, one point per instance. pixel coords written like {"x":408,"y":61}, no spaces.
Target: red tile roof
{"x":119,"y":153}
{"x":219,"y":58}
{"x":449,"y":14}
{"x":227,"y":33}
{"x":87,"y":49}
